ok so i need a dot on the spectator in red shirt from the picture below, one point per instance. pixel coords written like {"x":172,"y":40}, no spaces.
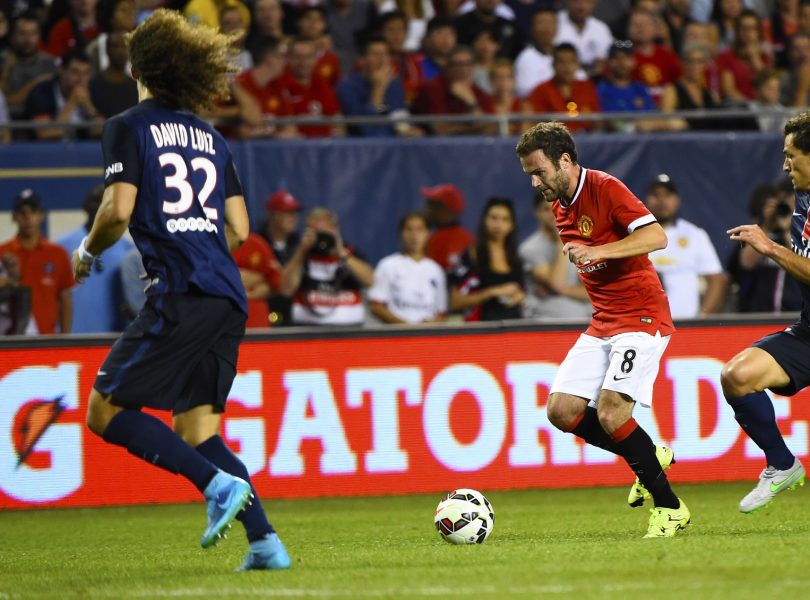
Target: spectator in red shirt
{"x":443,"y":208}
{"x":311,"y":25}
{"x":261,"y":276}
{"x":748,"y":56}
{"x":564,"y":93}
{"x":259,"y":94}
{"x":408,"y":65}
{"x":308,"y":94}
{"x":45,"y":267}
{"x":502,"y":77}
{"x":656,"y":66}
{"x":454,"y":93}
{"x":79,"y":27}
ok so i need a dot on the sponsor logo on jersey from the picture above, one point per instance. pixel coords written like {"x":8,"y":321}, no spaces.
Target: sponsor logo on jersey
{"x":592,"y":268}
{"x":184,"y":224}
{"x":585,"y":226}
{"x":113,"y":169}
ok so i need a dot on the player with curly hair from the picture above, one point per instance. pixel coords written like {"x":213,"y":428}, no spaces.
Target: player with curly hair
{"x":171,"y":179}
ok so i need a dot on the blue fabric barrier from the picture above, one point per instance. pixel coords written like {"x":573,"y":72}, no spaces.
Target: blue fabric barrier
{"x":370,"y":183}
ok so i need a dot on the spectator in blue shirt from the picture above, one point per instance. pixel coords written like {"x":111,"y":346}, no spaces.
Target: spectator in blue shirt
{"x":98,"y":305}
{"x":617,"y":90}
{"x":374,"y":91}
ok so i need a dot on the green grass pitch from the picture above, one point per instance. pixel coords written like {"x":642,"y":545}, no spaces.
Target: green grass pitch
{"x":583,"y":543}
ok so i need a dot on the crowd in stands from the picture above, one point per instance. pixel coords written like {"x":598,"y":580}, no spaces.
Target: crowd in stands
{"x":66,"y":61}
{"x":305,"y":273}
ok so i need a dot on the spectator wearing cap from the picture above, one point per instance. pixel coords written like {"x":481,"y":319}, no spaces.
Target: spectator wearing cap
{"x":280,"y":228}
{"x":443,"y":208}
{"x":618,"y":92}
{"x":98,"y":306}
{"x":261,"y":277}
{"x":44,"y":267}
{"x":564,"y":93}
{"x":688,"y":258}
{"x":64,"y":98}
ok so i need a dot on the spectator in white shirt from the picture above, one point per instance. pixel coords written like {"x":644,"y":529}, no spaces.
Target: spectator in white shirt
{"x":590,"y":36}
{"x":688,"y":258}
{"x":408,"y":286}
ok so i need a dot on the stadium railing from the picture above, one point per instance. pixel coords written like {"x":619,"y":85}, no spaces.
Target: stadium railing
{"x":733,"y":116}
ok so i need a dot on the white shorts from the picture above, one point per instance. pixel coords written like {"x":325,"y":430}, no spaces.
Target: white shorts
{"x":626,"y":363}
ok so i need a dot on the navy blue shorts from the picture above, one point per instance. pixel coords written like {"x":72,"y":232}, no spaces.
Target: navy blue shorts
{"x":791,"y":349}
{"x":180,"y":352}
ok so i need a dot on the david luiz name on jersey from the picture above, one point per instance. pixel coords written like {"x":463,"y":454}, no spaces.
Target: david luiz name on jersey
{"x":176,"y":134}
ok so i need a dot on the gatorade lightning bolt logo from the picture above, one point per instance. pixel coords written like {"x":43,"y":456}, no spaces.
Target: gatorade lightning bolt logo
{"x":32,"y":422}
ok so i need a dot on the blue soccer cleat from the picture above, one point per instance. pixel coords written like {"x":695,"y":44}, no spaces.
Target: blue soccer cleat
{"x":225,"y":497}
{"x":266,"y":553}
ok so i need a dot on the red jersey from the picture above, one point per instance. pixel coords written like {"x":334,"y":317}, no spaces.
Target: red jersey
{"x":584,"y":99}
{"x":270,"y":96}
{"x":328,"y":67}
{"x":446,"y":245}
{"x":46,"y":269}
{"x":626,"y":293}
{"x":435,"y":98}
{"x":316,"y":99}
{"x":256,"y":256}
{"x":655,"y":71}
{"x":62,"y":37}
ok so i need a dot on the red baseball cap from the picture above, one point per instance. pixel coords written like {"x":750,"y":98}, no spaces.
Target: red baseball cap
{"x":282,"y":201}
{"x":446,"y":194}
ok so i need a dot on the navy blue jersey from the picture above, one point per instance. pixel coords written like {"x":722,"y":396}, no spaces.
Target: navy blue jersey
{"x":184,"y":171}
{"x":800,"y":238}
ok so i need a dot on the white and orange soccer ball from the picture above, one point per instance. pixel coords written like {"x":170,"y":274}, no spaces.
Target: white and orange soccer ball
{"x":464,"y":516}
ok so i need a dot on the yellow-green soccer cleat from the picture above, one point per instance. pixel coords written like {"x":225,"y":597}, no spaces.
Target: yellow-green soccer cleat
{"x":638,"y":493}
{"x":666,"y":522}
{"x":771,"y":482}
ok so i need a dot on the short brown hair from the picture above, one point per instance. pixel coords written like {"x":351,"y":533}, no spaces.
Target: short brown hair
{"x":183,"y":66}
{"x":799,"y":126}
{"x":552,"y":138}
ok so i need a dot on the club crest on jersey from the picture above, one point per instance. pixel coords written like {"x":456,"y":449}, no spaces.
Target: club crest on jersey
{"x":585,"y":226}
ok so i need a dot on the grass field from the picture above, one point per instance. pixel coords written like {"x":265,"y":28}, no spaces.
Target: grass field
{"x":582,"y":543}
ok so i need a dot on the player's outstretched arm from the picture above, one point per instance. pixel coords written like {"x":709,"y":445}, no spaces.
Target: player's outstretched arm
{"x":237,"y":224}
{"x":753,"y":235}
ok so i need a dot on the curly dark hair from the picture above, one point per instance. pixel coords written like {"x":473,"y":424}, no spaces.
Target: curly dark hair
{"x":799,"y":126}
{"x":183,"y":66}
{"x":552,"y":138}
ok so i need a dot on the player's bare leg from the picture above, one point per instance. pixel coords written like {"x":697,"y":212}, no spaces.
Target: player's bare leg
{"x":199,"y":427}
{"x":744,"y":379}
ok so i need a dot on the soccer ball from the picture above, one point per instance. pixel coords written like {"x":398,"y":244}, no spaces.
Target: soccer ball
{"x":464,"y":517}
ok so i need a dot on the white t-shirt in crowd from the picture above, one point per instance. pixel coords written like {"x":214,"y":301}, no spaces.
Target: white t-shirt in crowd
{"x":592,"y":43}
{"x":412,"y":290}
{"x":688,"y":256}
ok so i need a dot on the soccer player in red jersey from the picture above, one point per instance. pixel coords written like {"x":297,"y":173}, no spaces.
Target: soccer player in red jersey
{"x":607,"y":233}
